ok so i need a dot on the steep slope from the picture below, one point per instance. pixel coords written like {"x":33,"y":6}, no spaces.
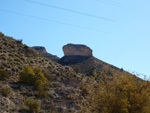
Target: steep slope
{"x":63,"y":92}
{"x":27,"y":76}
{"x":43,"y":51}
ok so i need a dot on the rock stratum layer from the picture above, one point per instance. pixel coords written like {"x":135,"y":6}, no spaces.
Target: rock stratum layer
{"x":77,"y":49}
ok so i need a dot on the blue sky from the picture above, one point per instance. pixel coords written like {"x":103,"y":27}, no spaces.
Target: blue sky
{"x":122,"y":39}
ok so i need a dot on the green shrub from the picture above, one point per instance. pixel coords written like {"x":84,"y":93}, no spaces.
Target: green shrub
{"x":4,"y":75}
{"x":33,"y":77}
{"x":84,"y":90}
{"x":5,"y":91}
{"x":124,"y":94}
{"x":49,"y":77}
{"x":42,"y":94}
{"x":26,"y":76}
{"x":32,"y":105}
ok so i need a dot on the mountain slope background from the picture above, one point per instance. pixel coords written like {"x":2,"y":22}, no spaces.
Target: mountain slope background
{"x":82,"y":83}
{"x":79,"y":60}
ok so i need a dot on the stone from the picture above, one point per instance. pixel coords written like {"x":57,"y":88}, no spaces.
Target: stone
{"x":77,"y":49}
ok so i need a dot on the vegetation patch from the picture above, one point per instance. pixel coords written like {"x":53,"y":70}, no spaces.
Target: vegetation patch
{"x":33,"y":77}
{"x":124,"y":94}
{"x":32,"y":105}
{"x":4,"y":75}
{"x":5,"y":91}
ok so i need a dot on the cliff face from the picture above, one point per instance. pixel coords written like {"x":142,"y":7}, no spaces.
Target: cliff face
{"x":77,"y":49}
{"x":43,"y":51}
{"x":75,"y":54}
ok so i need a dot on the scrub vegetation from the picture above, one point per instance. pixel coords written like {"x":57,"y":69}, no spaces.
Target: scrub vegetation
{"x":32,"y":83}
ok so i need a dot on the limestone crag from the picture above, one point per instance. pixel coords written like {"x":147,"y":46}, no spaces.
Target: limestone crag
{"x":43,"y":51}
{"x":40,"y":49}
{"x":80,"y":58}
{"x":77,"y":49}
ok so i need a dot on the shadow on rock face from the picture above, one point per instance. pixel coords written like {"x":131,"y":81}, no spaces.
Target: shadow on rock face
{"x":74,"y":59}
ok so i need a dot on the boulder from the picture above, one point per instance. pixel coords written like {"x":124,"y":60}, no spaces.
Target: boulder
{"x":77,"y":49}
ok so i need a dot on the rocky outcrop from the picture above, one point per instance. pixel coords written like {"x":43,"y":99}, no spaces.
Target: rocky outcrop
{"x":40,"y":49}
{"x":80,"y":57}
{"x":77,"y":49}
{"x":43,"y":51}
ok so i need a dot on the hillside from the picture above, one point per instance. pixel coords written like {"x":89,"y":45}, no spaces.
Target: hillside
{"x":32,"y":83}
{"x":63,"y":92}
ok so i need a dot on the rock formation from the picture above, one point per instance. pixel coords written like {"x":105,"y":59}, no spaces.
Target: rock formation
{"x":40,"y":49}
{"x":74,"y":54}
{"x":77,"y":49}
{"x":81,"y":57}
{"x":43,"y":51}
